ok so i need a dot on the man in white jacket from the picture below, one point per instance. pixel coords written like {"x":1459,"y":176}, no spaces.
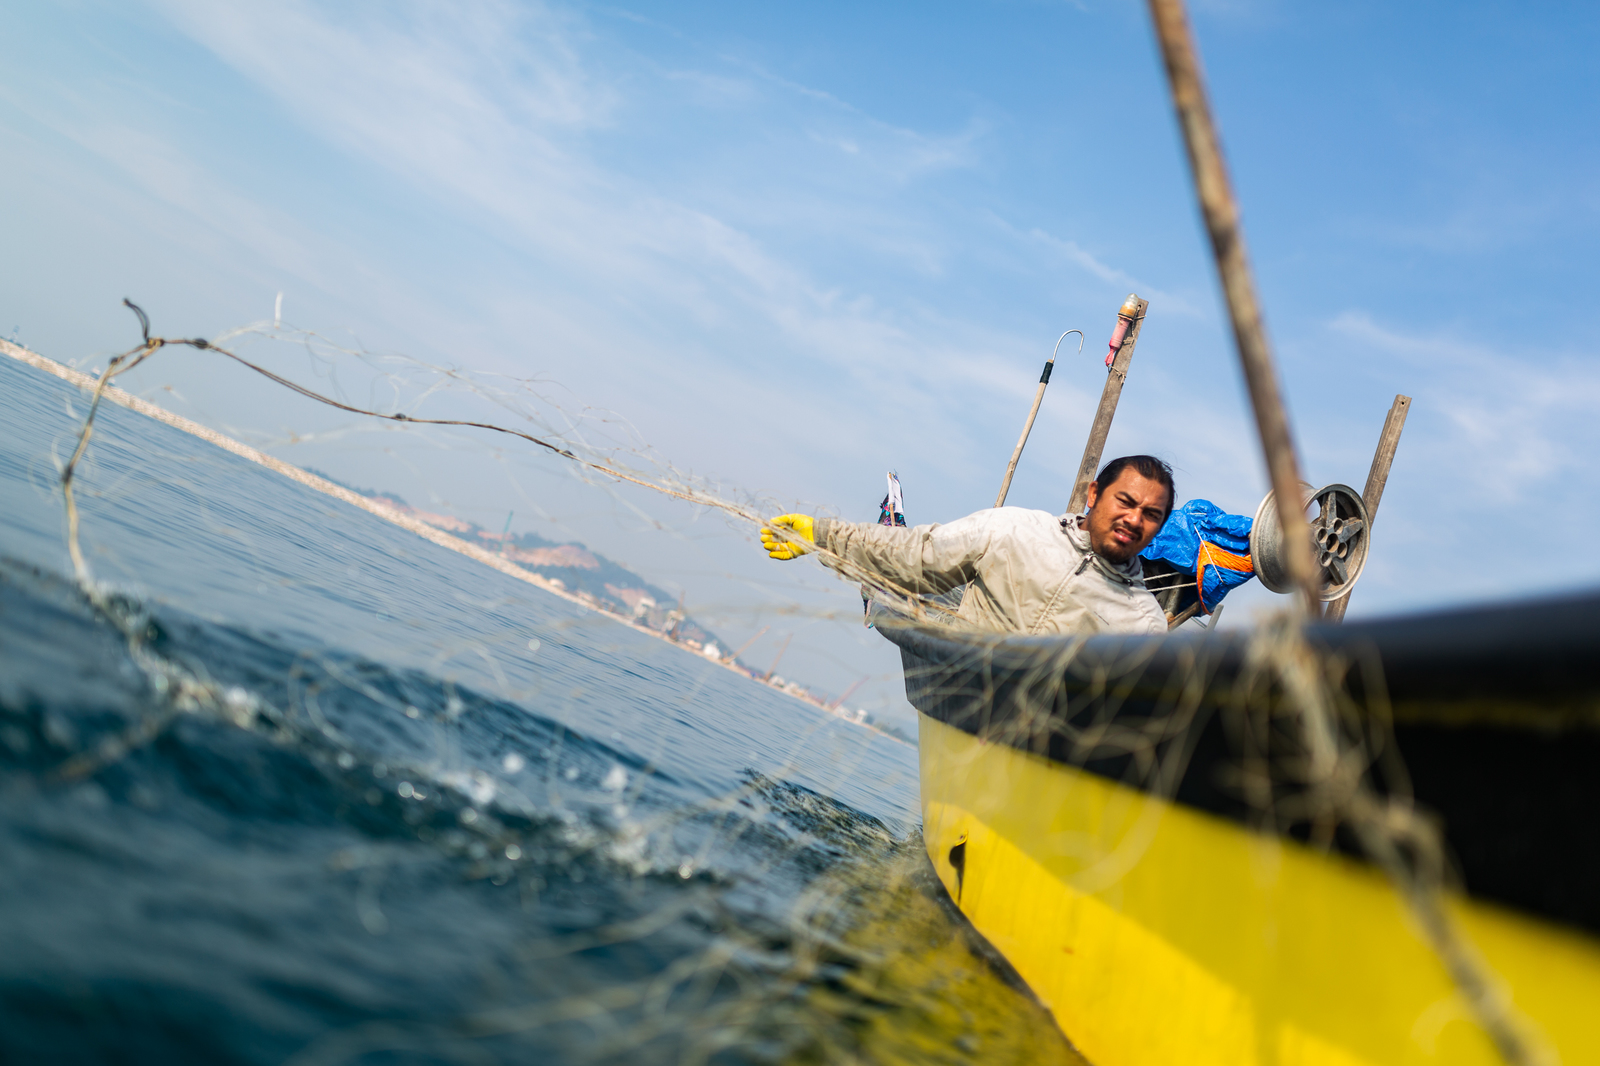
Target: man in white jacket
{"x":1025,"y":571}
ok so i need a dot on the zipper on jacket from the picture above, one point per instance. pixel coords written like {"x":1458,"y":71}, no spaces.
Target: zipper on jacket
{"x":1056,"y":595}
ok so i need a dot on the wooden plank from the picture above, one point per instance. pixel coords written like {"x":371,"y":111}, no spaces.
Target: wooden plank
{"x":1377,"y":478}
{"x":1098,"y":431}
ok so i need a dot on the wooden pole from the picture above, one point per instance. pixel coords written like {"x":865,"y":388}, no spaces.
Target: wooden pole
{"x":1221,"y":215}
{"x":1300,"y":669}
{"x":1115,"y":378}
{"x":746,"y":645}
{"x":1176,"y":620}
{"x":836,"y":704}
{"x":1377,"y":478}
{"x":1027,"y":427}
{"x":779,"y":659}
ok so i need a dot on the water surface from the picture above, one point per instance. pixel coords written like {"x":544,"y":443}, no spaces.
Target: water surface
{"x":308,"y":788}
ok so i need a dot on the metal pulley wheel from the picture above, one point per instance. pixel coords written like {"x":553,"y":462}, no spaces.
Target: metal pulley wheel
{"x":1339,"y":541}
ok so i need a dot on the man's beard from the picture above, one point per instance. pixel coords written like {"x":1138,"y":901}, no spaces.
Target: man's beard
{"x":1117,"y":553}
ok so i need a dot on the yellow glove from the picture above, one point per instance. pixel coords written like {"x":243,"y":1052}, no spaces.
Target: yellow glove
{"x":798,"y":524}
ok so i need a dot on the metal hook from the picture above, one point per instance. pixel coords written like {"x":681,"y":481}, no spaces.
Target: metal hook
{"x":1063,"y":337}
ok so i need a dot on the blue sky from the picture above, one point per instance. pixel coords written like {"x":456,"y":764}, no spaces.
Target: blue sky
{"x":795,"y":245}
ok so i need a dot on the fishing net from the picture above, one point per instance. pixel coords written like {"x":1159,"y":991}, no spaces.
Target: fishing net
{"x":750,"y":909}
{"x":470,"y":762}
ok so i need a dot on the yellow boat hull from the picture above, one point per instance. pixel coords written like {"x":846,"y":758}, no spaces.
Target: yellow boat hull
{"x":1158,"y":934}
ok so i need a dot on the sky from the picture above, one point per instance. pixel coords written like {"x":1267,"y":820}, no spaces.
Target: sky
{"x":790,"y":247}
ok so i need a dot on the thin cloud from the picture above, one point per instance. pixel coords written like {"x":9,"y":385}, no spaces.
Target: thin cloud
{"x":495,"y":115}
{"x":1493,"y":429}
{"x":1074,"y":253}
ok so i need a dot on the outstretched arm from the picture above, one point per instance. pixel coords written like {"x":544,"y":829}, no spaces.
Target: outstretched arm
{"x":926,"y":559}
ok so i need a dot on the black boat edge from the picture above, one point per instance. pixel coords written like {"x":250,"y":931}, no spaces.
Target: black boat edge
{"x":1494,"y":712}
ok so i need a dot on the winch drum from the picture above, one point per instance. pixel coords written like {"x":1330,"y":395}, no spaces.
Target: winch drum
{"x":1339,"y":541}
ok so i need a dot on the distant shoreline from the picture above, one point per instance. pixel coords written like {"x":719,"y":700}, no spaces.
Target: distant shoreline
{"x":122,"y":398}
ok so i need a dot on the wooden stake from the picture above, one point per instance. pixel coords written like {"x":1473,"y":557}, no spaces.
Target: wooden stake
{"x":1115,"y":378}
{"x":1377,"y":478}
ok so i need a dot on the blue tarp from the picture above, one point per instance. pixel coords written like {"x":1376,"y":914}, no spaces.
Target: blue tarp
{"x":1200,"y":536}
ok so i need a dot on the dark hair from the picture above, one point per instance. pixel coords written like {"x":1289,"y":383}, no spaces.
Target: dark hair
{"x":1146,"y":466}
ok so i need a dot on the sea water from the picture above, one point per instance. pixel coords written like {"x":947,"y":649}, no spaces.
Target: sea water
{"x":356,"y":798}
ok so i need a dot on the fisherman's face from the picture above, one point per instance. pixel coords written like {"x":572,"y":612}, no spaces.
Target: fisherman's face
{"x":1126,"y":516}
